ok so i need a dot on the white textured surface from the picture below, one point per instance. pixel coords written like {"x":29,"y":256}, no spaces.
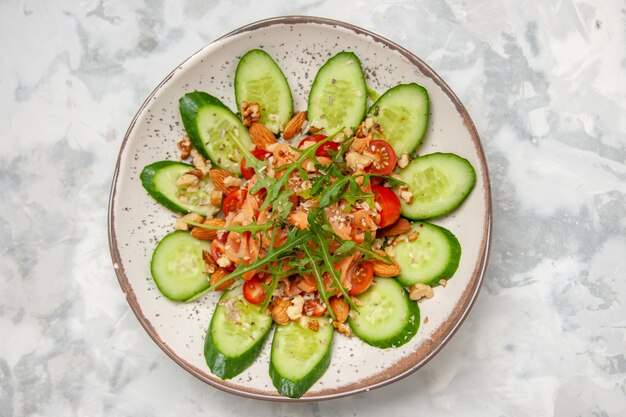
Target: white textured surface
{"x":545,"y":86}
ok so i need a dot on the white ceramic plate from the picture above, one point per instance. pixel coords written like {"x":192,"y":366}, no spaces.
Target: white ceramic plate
{"x":300,"y":45}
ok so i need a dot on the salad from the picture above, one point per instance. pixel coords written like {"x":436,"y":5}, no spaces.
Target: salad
{"x":308,"y":222}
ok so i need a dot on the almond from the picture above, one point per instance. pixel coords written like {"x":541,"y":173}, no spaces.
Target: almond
{"x":383,"y":269}
{"x":218,"y":176}
{"x":209,"y":263}
{"x":261,"y":136}
{"x":279,"y":311}
{"x":208,"y":234}
{"x":340,"y":307}
{"x":217,"y":276}
{"x":294,"y":126}
{"x":398,"y":228}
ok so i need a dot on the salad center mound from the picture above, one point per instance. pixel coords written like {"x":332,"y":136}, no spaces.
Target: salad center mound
{"x":296,"y":218}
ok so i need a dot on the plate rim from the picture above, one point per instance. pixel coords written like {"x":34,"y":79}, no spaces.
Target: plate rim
{"x":468,"y":297}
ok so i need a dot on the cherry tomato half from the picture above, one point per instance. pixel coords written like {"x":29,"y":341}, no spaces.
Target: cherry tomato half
{"x":324,"y":148}
{"x":234,"y":201}
{"x":361,"y":275}
{"x":389,"y":205}
{"x":385,"y":157}
{"x":313,"y":308}
{"x":259,"y":154}
{"x":253,"y":291}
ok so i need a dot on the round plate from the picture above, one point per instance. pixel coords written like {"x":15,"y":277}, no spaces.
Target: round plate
{"x":300,"y":45}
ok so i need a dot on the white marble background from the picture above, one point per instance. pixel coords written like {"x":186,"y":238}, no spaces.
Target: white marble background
{"x":545,"y":84}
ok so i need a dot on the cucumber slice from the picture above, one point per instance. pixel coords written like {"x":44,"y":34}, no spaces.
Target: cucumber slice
{"x":433,"y":256}
{"x":159,"y":180}
{"x":439,"y":183}
{"x":259,"y":79}
{"x":210,"y":124}
{"x":299,"y":357}
{"x":386,"y":317}
{"x":177,"y":266}
{"x":236,"y":335}
{"x":402,"y":113}
{"x":338,"y":96}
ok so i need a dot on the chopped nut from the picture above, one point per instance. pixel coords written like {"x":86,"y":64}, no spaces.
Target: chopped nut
{"x":250,"y":112}
{"x":401,"y":226}
{"x":340,"y":307}
{"x":384,"y":269}
{"x":419,"y":291}
{"x":218,"y":178}
{"x":207,"y":234}
{"x":294,"y":311}
{"x":389,"y":251}
{"x":209,"y":263}
{"x":342,"y":328}
{"x":357,"y":161}
{"x":404,"y":160}
{"x":413,"y":235}
{"x":216,"y":198}
{"x":217,"y":276}
{"x":233,"y":181}
{"x":223,"y":261}
{"x":197,"y":173}
{"x":192,"y":217}
{"x":294,"y":126}
{"x":426,"y":320}
{"x":313,"y":325}
{"x":187,"y":180}
{"x":185,"y":147}
{"x":405,"y":194}
{"x":443,"y":282}
{"x":279,"y":311}
{"x":261,"y":136}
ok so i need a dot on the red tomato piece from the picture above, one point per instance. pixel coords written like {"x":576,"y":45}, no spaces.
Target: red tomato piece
{"x":389,"y":205}
{"x":324,"y":148}
{"x":259,"y":154}
{"x":385,"y":157}
{"x":254,"y":291}
{"x":313,"y":308}
{"x":361,"y":275}
{"x":234,"y":201}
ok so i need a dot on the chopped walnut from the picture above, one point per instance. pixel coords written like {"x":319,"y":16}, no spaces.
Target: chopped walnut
{"x":223,"y":261}
{"x":357,"y":161}
{"x":419,"y":291}
{"x":404,"y":160}
{"x":413,"y":235}
{"x":251,"y":112}
{"x":443,"y":282}
{"x":185,"y":147}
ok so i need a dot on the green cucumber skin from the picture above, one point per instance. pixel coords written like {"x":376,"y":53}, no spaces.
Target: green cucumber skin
{"x":296,"y":389}
{"x":189,"y":106}
{"x":147,"y":180}
{"x":160,"y":287}
{"x":402,"y":337}
{"x":380,"y":102}
{"x":453,"y":264}
{"x":407,"y":210}
{"x":329,"y":62}
{"x":227,"y":367}
{"x":238,"y":91}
